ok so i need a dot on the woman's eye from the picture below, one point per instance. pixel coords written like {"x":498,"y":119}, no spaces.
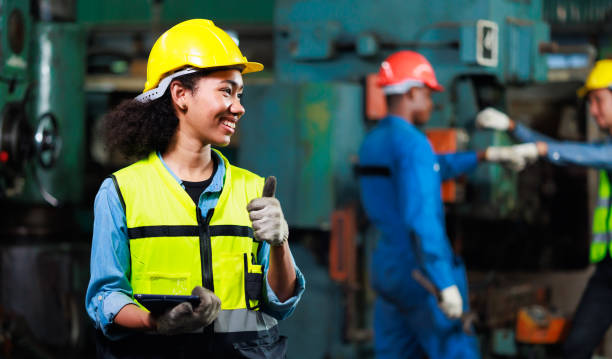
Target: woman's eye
{"x":227,"y":91}
{"x":240,"y":95}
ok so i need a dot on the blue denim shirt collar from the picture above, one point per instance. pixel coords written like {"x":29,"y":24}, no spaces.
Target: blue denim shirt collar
{"x":217,"y":182}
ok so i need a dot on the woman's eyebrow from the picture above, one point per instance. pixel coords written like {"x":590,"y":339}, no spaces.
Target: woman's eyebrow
{"x":233,"y":83}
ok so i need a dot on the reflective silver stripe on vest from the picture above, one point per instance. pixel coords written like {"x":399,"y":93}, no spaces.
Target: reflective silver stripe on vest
{"x":243,"y":320}
{"x":601,"y":237}
{"x":602,"y":203}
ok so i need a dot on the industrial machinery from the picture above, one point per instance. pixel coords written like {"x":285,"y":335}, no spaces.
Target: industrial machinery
{"x":308,"y":125}
{"x":67,"y":62}
{"x":20,"y":143}
{"x":43,"y":257}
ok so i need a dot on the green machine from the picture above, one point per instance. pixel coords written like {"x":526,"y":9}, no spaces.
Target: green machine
{"x":31,"y":116}
{"x":43,"y":254}
{"x":14,"y":55}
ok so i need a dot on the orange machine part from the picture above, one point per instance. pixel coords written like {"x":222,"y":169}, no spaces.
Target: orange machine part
{"x":342,"y":248}
{"x":376,"y":106}
{"x":528,"y":331}
{"x":444,"y":140}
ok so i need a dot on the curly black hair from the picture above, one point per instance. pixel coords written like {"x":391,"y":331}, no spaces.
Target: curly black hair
{"x":136,"y":129}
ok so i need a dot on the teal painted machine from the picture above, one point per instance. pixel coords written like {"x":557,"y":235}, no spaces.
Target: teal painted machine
{"x":307,"y":136}
{"x":306,"y":127}
{"x":476,"y":47}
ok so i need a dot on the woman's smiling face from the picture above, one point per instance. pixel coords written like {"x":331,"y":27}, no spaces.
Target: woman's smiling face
{"x":211,"y":111}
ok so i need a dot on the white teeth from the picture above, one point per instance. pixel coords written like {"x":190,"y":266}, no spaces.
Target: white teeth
{"x":229,"y":124}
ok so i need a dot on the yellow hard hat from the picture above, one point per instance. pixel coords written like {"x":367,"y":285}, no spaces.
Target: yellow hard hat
{"x":195,"y":43}
{"x":599,"y":78}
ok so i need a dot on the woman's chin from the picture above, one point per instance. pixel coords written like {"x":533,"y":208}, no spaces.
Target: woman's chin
{"x":222,"y":142}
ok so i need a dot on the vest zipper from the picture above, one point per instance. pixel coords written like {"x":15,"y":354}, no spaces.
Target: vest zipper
{"x":205,"y":248}
{"x":206,"y":259}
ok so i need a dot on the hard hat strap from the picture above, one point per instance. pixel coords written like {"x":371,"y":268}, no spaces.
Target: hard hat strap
{"x":159,"y":91}
{"x":402,"y":87}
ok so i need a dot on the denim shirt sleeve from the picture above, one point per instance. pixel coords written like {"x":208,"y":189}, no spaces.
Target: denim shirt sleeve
{"x":525,"y":134}
{"x":271,"y":304}
{"x":452,"y":165}
{"x":109,"y":288}
{"x":597,"y":155}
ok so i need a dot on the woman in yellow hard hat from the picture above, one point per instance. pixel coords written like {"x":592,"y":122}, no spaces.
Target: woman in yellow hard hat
{"x":594,"y":313}
{"x":184,"y":221}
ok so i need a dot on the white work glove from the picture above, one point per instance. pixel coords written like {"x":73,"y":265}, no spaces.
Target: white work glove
{"x":515,"y":157}
{"x":493,"y":119}
{"x":183,"y":318}
{"x":267,"y":217}
{"x":451,"y":303}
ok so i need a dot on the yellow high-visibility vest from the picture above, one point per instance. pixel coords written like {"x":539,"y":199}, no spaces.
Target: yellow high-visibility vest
{"x":174,"y":247}
{"x":601,"y":243}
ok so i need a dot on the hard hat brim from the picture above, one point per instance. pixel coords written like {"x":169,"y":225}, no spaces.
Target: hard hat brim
{"x":583,"y":91}
{"x":252,"y":67}
{"x":436,"y":87}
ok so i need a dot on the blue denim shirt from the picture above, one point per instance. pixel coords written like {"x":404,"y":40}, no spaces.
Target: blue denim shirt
{"x":409,"y":201}
{"x":597,"y":155}
{"x":109,"y":287}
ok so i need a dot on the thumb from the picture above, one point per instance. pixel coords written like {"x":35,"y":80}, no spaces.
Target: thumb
{"x":269,"y":187}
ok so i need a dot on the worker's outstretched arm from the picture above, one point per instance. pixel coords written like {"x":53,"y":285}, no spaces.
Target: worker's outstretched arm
{"x":597,"y":155}
{"x":452,"y":165}
{"x":493,"y":119}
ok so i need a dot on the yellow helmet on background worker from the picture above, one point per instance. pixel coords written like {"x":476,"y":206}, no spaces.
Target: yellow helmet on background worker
{"x":195,"y":44}
{"x":600,"y":77}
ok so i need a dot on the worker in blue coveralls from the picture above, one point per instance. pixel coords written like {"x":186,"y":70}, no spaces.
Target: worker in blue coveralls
{"x":400,"y":179}
{"x":594,"y":314}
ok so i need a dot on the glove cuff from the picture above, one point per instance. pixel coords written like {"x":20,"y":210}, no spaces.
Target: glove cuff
{"x":284,"y":235}
{"x":495,"y":154}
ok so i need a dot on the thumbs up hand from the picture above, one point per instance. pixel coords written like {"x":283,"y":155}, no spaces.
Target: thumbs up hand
{"x":267,"y":217}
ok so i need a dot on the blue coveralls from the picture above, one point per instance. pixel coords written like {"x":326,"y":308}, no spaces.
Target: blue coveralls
{"x":406,"y":207}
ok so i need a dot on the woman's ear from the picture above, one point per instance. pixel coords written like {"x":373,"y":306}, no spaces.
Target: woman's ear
{"x":178,"y":93}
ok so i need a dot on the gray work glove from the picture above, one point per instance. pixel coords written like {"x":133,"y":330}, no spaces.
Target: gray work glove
{"x":184,"y":319}
{"x":267,"y":217}
{"x":515,"y":157}
{"x":493,"y":119}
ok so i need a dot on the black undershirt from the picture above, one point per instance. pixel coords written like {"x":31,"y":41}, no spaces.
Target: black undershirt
{"x":195,"y":189}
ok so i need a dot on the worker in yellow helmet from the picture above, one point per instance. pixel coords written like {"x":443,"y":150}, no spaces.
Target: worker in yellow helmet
{"x":183,"y":221}
{"x":593,"y":316}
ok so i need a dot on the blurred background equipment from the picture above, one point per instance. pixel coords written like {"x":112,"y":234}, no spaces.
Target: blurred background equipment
{"x":64,"y":63}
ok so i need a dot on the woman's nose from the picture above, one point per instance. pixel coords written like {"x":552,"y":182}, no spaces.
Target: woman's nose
{"x":237,"y":108}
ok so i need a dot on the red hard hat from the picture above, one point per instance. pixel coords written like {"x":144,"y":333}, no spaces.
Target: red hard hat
{"x":405,"y":69}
